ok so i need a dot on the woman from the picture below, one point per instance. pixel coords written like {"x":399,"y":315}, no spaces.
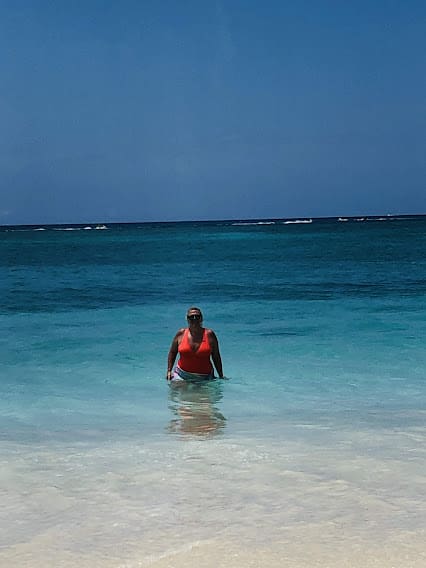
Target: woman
{"x":197,"y":348}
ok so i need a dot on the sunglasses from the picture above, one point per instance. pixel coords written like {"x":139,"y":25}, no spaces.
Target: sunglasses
{"x":193,"y":317}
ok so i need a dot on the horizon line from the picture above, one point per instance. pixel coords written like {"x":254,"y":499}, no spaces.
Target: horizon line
{"x":223,"y":220}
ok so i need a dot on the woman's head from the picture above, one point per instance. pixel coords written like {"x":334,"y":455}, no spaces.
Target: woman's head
{"x":194,"y":315}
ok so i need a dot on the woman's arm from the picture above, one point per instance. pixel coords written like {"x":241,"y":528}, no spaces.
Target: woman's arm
{"x":217,"y":359}
{"x":173,"y":351}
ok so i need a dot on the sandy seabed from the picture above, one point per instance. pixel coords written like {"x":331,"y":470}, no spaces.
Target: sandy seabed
{"x":222,"y":504}
{"x":304,"y":547}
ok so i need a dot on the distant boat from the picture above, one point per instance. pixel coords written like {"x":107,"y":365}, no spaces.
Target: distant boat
{"x":101,"y":227}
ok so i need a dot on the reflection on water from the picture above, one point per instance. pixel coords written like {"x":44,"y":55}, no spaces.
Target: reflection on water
{"x":194,"y":407}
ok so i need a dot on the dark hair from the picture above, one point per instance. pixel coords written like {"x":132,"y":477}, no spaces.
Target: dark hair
{"x":194,"y":308}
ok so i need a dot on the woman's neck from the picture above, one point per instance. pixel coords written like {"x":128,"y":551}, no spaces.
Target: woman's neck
{"x":195,"y":330}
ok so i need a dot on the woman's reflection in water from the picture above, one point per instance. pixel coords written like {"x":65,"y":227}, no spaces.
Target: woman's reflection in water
{"x":194,"y":408}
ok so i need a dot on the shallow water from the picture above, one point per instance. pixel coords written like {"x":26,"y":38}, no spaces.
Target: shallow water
{"x":312,"y":453}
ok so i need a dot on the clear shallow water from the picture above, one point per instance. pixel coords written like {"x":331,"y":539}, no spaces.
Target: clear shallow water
{"x":319,"y":429}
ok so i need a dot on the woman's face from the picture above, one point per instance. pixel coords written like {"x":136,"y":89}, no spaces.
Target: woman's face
{"x":194,"y":317}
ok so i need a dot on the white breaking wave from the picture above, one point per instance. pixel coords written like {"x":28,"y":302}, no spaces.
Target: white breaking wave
{"x":67,"y":229}
{"x":242,"y":224}
{"x":19,"y":230}
{"x":297,"y":222}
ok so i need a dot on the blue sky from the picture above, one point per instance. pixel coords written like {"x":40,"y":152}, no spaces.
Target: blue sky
{"x":196,"y":109}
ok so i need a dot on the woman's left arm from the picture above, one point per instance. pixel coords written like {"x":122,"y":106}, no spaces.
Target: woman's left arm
{"x":217,"y":359}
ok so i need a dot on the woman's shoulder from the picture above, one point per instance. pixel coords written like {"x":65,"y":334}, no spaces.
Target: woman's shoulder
{"x":209,"y":332}
{"x":179,"y":333}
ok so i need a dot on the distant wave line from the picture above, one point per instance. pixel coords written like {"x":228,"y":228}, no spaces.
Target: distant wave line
{"x":243,"y":224}
{"x":224,"y":222}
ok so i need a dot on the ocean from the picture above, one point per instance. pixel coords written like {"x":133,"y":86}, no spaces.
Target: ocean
{"x":311,"y":453}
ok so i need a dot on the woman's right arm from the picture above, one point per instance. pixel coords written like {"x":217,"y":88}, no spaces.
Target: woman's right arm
{"x":173,"y":351}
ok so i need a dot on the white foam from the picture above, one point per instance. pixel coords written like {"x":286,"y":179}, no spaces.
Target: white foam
{"x":68,"y":229}
{"x":253,"y":223}
{"x":297,"y":222}
{"x":18,"y":230}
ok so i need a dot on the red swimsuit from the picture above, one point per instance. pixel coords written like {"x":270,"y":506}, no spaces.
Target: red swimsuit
{"x":195,"y":361}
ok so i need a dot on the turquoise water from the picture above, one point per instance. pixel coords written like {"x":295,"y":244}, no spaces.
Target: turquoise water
{"x":321,"y":327}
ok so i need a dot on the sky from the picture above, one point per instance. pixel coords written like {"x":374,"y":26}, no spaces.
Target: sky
{"x":169,"y":110}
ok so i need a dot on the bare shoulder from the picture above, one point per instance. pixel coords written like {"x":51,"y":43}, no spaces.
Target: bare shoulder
{"x":178,"y":338}
{"x":211,"y":334}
